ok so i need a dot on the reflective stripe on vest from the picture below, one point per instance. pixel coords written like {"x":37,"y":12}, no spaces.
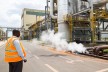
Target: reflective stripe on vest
{"x":13,"y":56}
{"x":10,"y":50}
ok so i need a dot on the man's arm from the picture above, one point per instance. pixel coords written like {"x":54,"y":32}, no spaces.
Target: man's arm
{"x":18,"y":48}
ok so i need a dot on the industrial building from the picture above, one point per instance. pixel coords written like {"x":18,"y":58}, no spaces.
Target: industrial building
{"x":30,"y":17}
{"x":37,"y":28}
{"x":82,"y":21}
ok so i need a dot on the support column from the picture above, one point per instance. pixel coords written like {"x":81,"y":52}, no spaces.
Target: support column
{"x":92,"y":24}
{"x":70,"y":27}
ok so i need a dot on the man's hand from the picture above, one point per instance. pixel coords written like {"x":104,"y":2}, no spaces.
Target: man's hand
{"x":25,"y":60}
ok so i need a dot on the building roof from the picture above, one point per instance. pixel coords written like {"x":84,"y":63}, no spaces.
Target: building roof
{"x":34,"y":12}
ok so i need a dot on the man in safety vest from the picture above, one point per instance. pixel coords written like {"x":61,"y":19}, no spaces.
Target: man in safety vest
{"x":15,"y":53}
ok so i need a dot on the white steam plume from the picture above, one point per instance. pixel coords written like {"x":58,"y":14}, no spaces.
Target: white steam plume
{"x":48,"y":37}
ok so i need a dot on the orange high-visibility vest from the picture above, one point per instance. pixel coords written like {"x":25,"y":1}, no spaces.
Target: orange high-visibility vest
{"x":11,"y":54}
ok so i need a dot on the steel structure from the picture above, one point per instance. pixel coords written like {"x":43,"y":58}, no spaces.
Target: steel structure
{"x":88,"y":23}
{"x":81,"y":20}
{"x":11,"y":29}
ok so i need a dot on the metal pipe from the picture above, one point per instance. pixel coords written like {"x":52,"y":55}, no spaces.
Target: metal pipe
{"x":92,"y":25}
{"x":45,"y":17}
{"x":81,"y":12}
{"x":6,"y":34}
{"x":98,"y":1}
{"x":46,"y":14}
{"x":103,"y":26}
{"x":52,"y":10}
{"x":11,"y":27}
{"x":47,"y":7}
{"x":51,"y":24}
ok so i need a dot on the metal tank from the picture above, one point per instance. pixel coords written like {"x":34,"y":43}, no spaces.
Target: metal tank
{"x":62,"y":26}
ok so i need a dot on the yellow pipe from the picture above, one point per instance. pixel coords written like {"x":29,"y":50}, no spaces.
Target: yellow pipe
{"x":70,"y":26}
{"x":56,"y":27}
{"x":93,"y":27}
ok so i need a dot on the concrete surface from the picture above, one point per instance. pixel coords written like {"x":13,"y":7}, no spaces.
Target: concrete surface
{"x":41,"y":59}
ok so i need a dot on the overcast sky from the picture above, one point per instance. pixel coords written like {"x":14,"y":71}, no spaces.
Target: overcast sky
{"x":11,"y":10}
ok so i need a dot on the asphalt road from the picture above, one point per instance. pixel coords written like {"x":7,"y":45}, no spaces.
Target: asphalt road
{"x":41,"y":59}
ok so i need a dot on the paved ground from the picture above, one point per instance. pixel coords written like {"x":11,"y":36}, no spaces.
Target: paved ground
{"x":41,"y":59}
{"x":2,"y":42}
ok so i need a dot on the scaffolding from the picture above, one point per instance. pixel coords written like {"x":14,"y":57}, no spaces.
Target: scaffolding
{"x":86,"y":23}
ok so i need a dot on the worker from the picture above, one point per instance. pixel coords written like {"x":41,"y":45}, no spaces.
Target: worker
{"x":15,"y":53}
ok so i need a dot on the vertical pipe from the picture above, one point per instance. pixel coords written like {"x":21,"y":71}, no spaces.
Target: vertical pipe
{"x":52,"y":27}
{"x":47,"y":7}
{"x":99,"y":33}
{"x":40,"y":27}
{"x":47,"y":14}
{"x":52,"y":10}
{"x":7,"y":34}
{"x":103,"y":26}
{"x":70,"y":28}
{"x":62,"y":26}
{"x":36,"y":21}
{"x":92,"y":23}
{"x":45,"y":17}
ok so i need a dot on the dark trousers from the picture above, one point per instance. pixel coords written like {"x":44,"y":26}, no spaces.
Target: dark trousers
{"x":15,"y":66}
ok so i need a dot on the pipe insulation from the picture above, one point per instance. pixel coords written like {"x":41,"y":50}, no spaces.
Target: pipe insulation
{"x":62,"y":26}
